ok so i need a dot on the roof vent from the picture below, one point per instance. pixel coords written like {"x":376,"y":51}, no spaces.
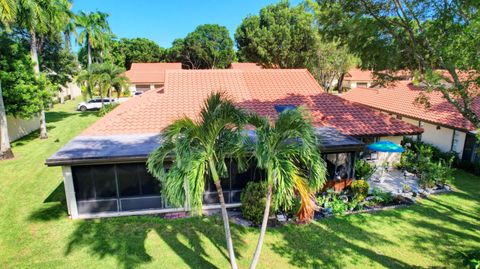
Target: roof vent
{"x":281,"y":108}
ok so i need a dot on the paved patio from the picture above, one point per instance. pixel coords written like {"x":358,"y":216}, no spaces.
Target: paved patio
{"x":393,"y":181}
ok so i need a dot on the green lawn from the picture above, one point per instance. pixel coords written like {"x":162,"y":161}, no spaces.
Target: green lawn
{"x":36,"y":233}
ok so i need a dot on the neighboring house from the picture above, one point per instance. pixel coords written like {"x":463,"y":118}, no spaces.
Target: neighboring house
{"x":246,"y":66}
{"x":444,"y":127}
{"x":357,"y":78}
{"x":104,"y":167}
{"x":18,"y":127}
{"x":149,"y":76}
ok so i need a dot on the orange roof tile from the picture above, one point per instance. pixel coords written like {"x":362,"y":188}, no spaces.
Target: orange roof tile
{"x":359,"y":75}
{"x":255,"y":90}
{"x":150,"y":72}
{"x":400,"y":99}
{"x":246,"y":66}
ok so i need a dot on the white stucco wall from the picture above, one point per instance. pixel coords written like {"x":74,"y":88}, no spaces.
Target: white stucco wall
{"x":20,"y":127}
{"x":394,"y":139}
{"x":441,"y":138}
{"x":353,"y":84}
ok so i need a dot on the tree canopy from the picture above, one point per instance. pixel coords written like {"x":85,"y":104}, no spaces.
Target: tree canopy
{"x":126,"y":51}
{"x":209,"y":46}
{"x":24,"y":95}
{"x":280,"y":36}
{"x":424,"y":36}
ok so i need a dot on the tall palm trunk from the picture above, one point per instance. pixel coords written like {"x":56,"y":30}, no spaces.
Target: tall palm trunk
{"x":36,"y":69}
{"x":89,"y":51}
{"x":263,"y":229}
{"x":66,"y":36}
{"x":226,"y":224}
{"x":5,"y":148}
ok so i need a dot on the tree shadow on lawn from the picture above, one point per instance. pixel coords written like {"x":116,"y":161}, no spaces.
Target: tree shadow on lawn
{"x":56,"y":116}
{"x":325,"y":244}
{"x":124,"y":239}
{"x":329,"y":241}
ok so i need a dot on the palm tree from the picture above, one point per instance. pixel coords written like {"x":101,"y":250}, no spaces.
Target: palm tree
{"x":68,"y":24}
{"x":94,"y":26}
{"x":39,"y":17}
{"x":110,"y":76}
{"x":288,"y":152}
{"x":8,"y":12}
{"x":200,"y":148}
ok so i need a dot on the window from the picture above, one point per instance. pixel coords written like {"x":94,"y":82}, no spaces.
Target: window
{"x":128,"y":184}
{"x":104,"y":178}
{"x":339,"y":165}
{"x":281,"y":108}
{"x":94,"y":182}
{"x":362,"y":85}
{"x":149,"y":184}
{"x":83,"y":182}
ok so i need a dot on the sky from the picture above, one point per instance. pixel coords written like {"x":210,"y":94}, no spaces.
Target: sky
{"x":163,"y":21}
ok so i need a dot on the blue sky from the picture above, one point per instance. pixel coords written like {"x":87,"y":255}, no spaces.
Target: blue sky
{"x":163,"y":21}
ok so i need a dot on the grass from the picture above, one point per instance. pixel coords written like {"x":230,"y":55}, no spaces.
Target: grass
{"x":35,"y":231}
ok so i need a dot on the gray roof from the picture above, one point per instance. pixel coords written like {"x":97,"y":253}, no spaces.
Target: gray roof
{"x":332,"y":140}
{"x":88,"y":149}
{"x":127,"y":148}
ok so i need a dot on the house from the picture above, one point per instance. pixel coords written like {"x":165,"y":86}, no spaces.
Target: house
{"x":246,"y":66}
{"x":358,"y":78}
{"x":149,"y":76}
{"x":444,"y":127}
{"x":104,"y":167}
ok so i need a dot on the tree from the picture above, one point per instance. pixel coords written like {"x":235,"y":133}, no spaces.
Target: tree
{"x":101,"y":79}
{"x":110,"y":76}
{"x":39,"y":18}
{"x":288,"y":152}
{"x":429,"y":35}
{"x":126,"y":51}
{"x":280,"y":37}
{"x":200,"y":149}
{"x":8,"y":11}
{"x":208,"y":47}
{"x":332,"y":62}
{"x":24,"y":94}
{"x":94,"y":26}
{"x":58,"y":63}
{"x":7,"y":15}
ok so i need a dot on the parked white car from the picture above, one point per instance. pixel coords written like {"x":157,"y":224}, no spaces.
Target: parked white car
{"x":95,"y":103}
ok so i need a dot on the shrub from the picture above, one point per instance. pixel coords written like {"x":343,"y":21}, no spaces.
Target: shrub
{"x":332,"y":201}
{"x":107,"y":108}
{"x":419,"y":159}
{"x":360,"y":189}
{"x":363,"y":170}
{"x":382,"y":197}
{"x":253,"y":199}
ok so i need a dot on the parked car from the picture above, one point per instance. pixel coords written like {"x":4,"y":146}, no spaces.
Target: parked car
{"x":137,"y":93}
{"x":95,"y":103}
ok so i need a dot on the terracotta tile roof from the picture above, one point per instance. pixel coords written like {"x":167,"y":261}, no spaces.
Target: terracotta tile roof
{"x":359,"y":75}
{"x":246,"y":66}
{"x":150,"y":72}
{"x":400,"y":99}
{"x":257,"y":90}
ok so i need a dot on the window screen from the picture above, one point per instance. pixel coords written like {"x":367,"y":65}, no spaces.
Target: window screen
{"x":104,"y":178}
{"x":127,"y":176}
{"x":83,"y":183}
{"x":149,"y":184}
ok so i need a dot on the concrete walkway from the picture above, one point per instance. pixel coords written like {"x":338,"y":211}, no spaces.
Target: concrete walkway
{"x":393,"y":181}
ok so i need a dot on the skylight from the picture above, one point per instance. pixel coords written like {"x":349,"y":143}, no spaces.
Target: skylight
{"x":281,"y":108}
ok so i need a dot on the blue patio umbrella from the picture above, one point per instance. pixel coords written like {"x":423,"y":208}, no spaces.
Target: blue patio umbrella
{"x":385,"y":146}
